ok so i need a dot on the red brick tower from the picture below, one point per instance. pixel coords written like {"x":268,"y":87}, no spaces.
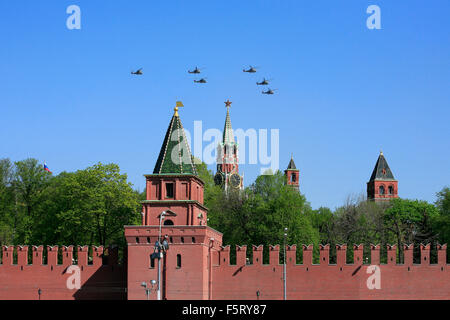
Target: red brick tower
{"x":382,"y":186}
{"x":228,"y":158}
{"x":292,"y":174}
{"x":175,"y":190}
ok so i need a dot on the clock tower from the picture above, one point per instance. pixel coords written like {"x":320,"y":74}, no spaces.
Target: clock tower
{"x":228,"y":158}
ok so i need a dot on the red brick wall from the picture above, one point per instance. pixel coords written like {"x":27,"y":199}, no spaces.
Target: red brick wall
{"x":22,"y":280}
{"x":206,"y":273}
{"x":324,"y":281}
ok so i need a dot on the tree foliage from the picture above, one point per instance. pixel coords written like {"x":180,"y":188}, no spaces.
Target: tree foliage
{"x":88,"y":206}
{"x":259,"y":214}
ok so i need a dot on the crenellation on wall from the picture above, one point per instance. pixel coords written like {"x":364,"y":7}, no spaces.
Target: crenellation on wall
{"x":22,"y":255}
{"x":442,"y":254}
{"x":408,"y":251}
{"x":425,"y":254}
{"x":241,"y":255}
{"x":391,"y":254}
{"x":67,"y":255}
{"x":52,"y":255}
{"x":375,"y":254}
{"x":291,"y":254}
{"x":358,"y":254}
{"x":82,"y":253}
{"x":308,"y":255}
{"x":257,"y":254}
{"x":8,"y":252}
{"x":324,"y":253}
{"x":274,"y":254}
{"x":38,"y":255}
{"x":224,"y":255}
{"x":341,"y":254}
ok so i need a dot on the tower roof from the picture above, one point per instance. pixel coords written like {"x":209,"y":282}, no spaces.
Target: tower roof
{"x":291,"y":165}
{"x":175,"y":156}
{"x":228,"y":136}
{"x":381,"y":170}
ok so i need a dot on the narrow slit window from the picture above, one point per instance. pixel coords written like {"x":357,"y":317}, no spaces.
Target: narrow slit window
{"x":169,"y":190}
{"x":178,"y":260}
{"x":152,"y":262}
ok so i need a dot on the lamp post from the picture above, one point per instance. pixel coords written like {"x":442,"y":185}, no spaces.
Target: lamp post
{"x":284,"y":264}
{"x":148,"y":290}
{"x":158,"y":248}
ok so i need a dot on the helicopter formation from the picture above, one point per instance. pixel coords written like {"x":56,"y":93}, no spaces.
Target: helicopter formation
{"x":197,"y":70}
{"x":264,"y":82}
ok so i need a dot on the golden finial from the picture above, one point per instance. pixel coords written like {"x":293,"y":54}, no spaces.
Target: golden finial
{"x":381,"y":152}
{"x":178,"y":104}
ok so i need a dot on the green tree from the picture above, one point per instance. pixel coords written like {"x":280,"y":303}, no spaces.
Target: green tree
{"x":6,"y":201}
{"x":29,"y":182}
{"x":260,"y":213}
{"x":442,"y":222}
{"x":88,"y":206}
{"x":411,"y":221}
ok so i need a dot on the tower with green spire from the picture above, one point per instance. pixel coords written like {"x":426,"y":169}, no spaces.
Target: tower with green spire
{"x":174,"y":186}
{"x":228,"y":158}
{"x":174,"y":214}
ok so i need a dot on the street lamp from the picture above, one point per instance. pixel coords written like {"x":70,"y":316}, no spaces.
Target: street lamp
{"x":284,"y":264}
{"x":159,"y":254}
{"x":148,"y":290}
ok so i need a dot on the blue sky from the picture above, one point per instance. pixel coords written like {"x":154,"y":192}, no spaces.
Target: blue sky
{"x":344,"y":91}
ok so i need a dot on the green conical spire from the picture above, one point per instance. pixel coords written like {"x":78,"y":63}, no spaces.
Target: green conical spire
{"x":175,"y":156}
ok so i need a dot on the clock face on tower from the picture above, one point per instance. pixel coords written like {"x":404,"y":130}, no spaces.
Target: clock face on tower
{"x":235,"y":180}
{"x":218,"y":179}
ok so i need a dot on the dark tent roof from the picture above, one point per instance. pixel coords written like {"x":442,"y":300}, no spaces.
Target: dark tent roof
{"x":291,"y":165}
{"x":381,"y":170}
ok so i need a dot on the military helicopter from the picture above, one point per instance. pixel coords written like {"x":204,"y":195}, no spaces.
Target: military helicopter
{"x":196,"y":70}
{"x":138,"y":72}
{"x":264,"y":82}
{"x":202,"y":80}
{"x":269,"y":91}
{"x":250,"y":70}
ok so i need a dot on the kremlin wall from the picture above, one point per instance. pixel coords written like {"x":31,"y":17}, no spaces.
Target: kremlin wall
{"x":198,"y":266}
{"x":206,"y":273}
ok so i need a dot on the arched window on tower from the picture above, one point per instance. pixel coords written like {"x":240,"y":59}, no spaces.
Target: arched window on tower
{"x":168,"y":223}
{"x":391,"y":190}
{"x":381,"y":190}
{"x":293,"y":177}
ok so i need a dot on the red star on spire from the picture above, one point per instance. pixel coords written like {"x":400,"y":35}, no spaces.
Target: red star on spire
{"x":228,"y":103}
